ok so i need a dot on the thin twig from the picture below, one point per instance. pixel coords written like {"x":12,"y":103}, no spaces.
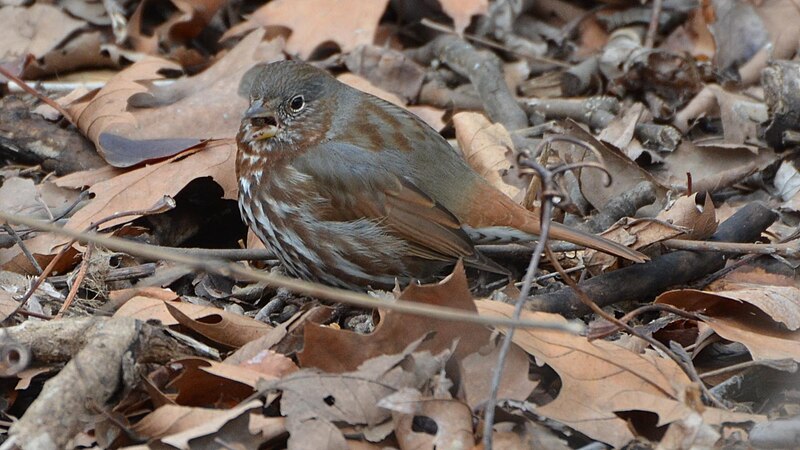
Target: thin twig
{"x":790,"y":363}
{"x":685,"y":365}
{"x":308,"y":288}
{"x":641,"y":310}
{"x":76,"y":283}
{"x":166,"y":203}
{"x":45,"y":99}
{"x":23,"y":247}
{"x":652,"y":29}
{"x":788,"y":249}
{"x":549,"y":191}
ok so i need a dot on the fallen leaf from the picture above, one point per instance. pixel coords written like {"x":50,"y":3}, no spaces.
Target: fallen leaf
{"x":141,"y":188}
{"x":698,"y":223}
{"x":707,"y":162}
{"x":742,"y":322}
{"x":132,"y":120}
{"x":148,"y":307}
{"x":223,"y":327}
{"x":451,"y":420}
{"x":334,"y":350}
{"x":477,"y":371}
{"x":488,"y":148}
{"x":626,"y":174}
{"x":198,"y":385}
{"x":316,"y":22}
{"x":599,"y":379}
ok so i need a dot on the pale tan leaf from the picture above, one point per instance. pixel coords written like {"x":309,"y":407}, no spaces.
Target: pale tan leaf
{"x":132,"y":119}
{"x":600,"y":378}
{"x":488,"y":148}
{"x":347,"y":23}
{"x":699,"y":223}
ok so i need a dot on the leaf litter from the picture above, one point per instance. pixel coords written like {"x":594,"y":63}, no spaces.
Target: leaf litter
{"x":703,"y":118}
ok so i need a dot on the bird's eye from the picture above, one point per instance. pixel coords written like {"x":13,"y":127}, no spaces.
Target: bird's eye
{"x":297,"y":103}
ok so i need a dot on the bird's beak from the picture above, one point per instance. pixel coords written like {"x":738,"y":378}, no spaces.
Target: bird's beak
{"x":268,"y":129}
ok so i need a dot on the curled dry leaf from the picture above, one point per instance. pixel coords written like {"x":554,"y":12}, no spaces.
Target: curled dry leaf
{"x":335,"y":350}
{"x":390,"y":69}
{"x":625,"y":173}
{"x":698,"y":223}
{"x":316,"y":22}
{"x":141,"y":188}
{"x":488,"y":148}
{"x":195,"y":386}
{"x":132,"y":120}
{"x":232,"y":426}
{"x":223,"y":327}
{"x":353,"y":397}
{"x":750,"y":314}
{"x":136,"y":190}
{"x":599,"y":379}
{"x":706,"y":164}
{"x":452,"y":420}
{"x":151,"y":305}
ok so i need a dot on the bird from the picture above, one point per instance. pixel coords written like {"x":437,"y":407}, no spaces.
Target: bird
{"x":355,"y":192}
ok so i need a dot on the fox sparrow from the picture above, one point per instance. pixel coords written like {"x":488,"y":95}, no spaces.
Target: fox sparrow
{"x":353,"y":191}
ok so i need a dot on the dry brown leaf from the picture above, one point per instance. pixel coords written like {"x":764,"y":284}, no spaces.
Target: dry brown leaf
{"x":223,"y":327}
{"x":707,"y":162}
{"x":37,"y":30}
{"x":488,"y":148}
{"x":87,"y":178}
{"x":270,"y":363}
{"x":336,"y":350}
{"x":741,"y":116}
{"x":741,"y":322}
{"x":21,"y":196}
{"x":600,"y":378}
{"x":198,"y":387}
{"x":348,"y":23}
{"x":626,"y":174}
{"x":781,"y":303}
{"x":452,"y":419}
{"x":461,"y":11}
{"x":353,"y":397}
{"x":150,"y":307}
{"x":131,"y":120}
{"x":387,"y":68}
{"x":240,"y":374}
{"x":477,"y":371}
{"x":171,"y":419}
{"x":212,"y":428}
{"x":685,"y":214}
{"x":619,"y":132}
{"x":141,"y":188}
